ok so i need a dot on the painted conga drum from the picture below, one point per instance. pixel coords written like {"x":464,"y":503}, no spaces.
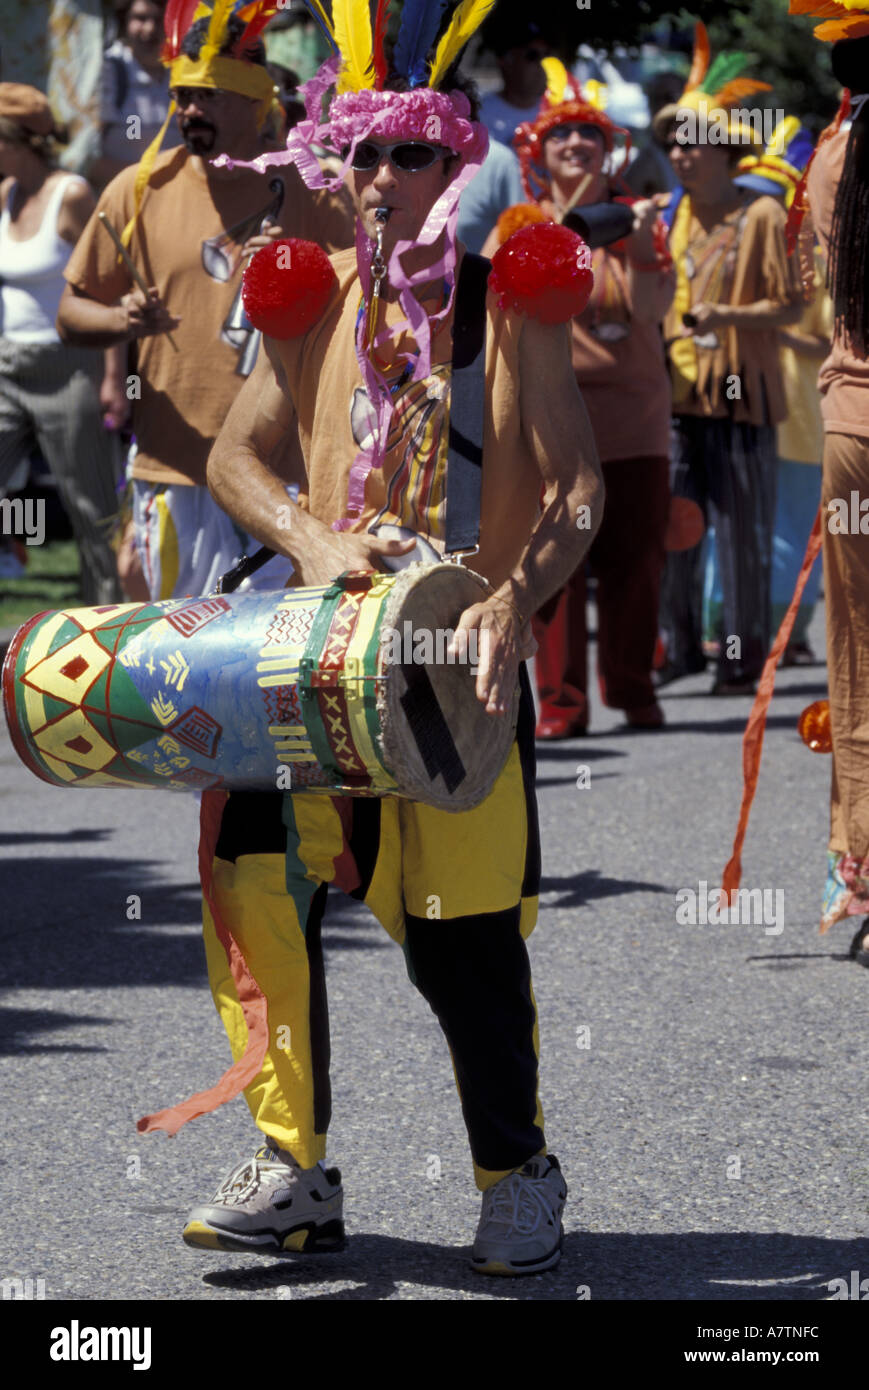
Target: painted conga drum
{"x":348,"y":688}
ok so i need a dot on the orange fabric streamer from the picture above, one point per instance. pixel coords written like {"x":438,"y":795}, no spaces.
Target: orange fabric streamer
{"x":254,"y":1005}
{"x":752,"y":741}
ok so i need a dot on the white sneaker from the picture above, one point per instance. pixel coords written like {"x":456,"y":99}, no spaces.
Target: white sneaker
{"x":268,"y":1203}
{"x":520,"y":1228}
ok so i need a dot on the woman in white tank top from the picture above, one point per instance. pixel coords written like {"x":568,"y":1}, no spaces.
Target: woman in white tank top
{"x":49,"y":392}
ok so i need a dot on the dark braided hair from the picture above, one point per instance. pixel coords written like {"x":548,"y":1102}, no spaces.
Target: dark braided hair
{"x":849,"y":235}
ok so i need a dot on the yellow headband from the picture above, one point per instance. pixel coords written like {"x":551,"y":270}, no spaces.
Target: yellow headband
{"x":227,"y":74}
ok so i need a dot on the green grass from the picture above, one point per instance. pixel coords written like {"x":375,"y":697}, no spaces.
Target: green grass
{"x":50,"y":581}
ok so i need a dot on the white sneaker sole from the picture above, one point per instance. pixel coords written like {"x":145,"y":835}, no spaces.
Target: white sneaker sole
{"x":517,"y":1268}
{"x":308,"y":1237}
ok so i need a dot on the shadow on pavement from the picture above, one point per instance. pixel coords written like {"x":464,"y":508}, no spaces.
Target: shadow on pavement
{"x":568,"y":778}
{"x":567,"y":749}
{"x":616,"y":1265}
{"x":15,"y":1024}
{"x":579,"y":889}
{"x":66,"y":837}
{"x":782,"y":691}
{"x":796,"y":959}
{"x":734,"y":725}
{"x":64,"y":925}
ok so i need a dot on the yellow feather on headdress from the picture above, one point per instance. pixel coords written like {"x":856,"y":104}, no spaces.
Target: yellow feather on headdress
{"x":595,"y":94}
{"x":216,"y":29}
{"x":354,"y":39}
{"x":556,"y":81}
{"x":464,"y":23}
{"x":782,"y":136}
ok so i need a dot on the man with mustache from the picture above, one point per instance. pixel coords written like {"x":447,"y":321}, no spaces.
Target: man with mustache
{"x":190,"y":231}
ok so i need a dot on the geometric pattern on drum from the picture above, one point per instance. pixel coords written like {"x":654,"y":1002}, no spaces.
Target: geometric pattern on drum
{"x":287,"y":635}
{"x":333,"y":701}
{"x":304,"y":774}
{"x":282,"y":704}
{"x":197,"y":729}
{"x":78,"y":737}
{"x":290,"y":624}
{"x":192,"y":617}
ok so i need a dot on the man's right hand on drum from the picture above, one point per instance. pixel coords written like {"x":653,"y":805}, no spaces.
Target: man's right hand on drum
{"x":329,"y":553}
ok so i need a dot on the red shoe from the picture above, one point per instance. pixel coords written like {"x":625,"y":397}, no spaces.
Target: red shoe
{"x":564,"y":727}
{"x":649,"y":717}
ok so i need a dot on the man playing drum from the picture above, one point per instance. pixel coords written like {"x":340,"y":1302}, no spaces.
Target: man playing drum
{"x":367,"y":390}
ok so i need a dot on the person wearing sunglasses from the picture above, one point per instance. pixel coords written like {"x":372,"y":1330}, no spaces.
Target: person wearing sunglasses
{"x":406,"y":157}
{"x":620,"y":369}
{"x":190,"y":235}
{"x":368,"y":391}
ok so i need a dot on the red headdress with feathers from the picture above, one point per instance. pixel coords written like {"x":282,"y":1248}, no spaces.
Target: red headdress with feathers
{"x":565,"y":103}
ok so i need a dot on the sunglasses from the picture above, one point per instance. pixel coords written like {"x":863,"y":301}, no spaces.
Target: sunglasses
{"x":409,"y":157}
{"x":560,"y":133}
{"x":182,"y":96}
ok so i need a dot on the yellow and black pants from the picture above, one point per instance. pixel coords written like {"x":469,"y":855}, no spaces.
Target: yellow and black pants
{"x":458,"y":892}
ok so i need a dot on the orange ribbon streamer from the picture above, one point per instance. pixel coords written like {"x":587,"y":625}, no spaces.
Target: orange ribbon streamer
{"x":253,"y":1002}
{"x":752,"y":741}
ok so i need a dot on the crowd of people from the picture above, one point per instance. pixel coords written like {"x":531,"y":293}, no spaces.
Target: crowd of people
{"x":676,"y":411}
{"x":688,"y":389}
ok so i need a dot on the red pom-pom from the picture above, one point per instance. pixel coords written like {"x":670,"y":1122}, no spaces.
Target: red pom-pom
{"x":543,"y":271}
{"x":287,"y":286}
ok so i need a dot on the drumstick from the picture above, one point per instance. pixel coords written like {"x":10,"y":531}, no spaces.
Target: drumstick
{"x":575,"y":197}
{"x":126,"y":258}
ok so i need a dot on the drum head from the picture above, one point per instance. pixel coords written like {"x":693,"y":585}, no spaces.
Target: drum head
{"x":436,"y":738}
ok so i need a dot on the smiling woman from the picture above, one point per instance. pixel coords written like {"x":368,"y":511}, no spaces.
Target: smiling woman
{"x":619,"y":366}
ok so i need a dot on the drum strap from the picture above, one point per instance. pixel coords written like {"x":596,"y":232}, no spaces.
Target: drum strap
{"x":467,"y":408}
{"x":467,"y":424}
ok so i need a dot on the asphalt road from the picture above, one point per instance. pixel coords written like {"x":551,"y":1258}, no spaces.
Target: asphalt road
{"x":712,"y":1131}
